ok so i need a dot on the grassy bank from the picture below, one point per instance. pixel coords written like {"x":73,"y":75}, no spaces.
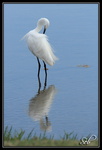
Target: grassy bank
{"x":16,"y":139}
{"x":46,"y":142}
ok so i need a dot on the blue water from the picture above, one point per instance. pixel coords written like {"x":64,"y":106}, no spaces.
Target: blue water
{"x":70,"y":100}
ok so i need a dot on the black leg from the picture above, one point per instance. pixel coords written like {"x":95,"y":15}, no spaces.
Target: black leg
{"x":45,"y":75}
{"x":39,"y":66}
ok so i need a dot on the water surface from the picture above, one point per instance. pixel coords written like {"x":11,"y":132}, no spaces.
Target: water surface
{"x":70,"y":100}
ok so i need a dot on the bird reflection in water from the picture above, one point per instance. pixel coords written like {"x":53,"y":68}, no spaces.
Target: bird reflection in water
{"x":39,"y":106}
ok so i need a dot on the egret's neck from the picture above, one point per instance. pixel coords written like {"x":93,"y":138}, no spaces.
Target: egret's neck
{"x":38,"y":28}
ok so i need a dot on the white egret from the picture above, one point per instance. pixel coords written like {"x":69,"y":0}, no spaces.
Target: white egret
{"x":38,"y":44}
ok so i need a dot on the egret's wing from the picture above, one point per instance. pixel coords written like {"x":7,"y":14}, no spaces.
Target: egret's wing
{"x":25,"y":36}
{"x":47,"y":51}
{"x":40,"y":47}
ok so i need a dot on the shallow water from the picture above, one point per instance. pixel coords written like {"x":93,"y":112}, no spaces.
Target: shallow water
{"x":70,"y":101}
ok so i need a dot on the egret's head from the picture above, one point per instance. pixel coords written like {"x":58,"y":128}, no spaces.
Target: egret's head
{"x":43,"y":22}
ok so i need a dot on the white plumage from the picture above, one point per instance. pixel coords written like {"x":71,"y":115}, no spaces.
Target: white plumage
{"x":38,"y":43}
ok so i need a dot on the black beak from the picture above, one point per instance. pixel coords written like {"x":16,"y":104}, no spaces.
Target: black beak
{"x":44,"y":30}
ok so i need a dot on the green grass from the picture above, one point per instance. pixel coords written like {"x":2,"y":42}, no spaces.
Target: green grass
{"x":16,"y":139}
